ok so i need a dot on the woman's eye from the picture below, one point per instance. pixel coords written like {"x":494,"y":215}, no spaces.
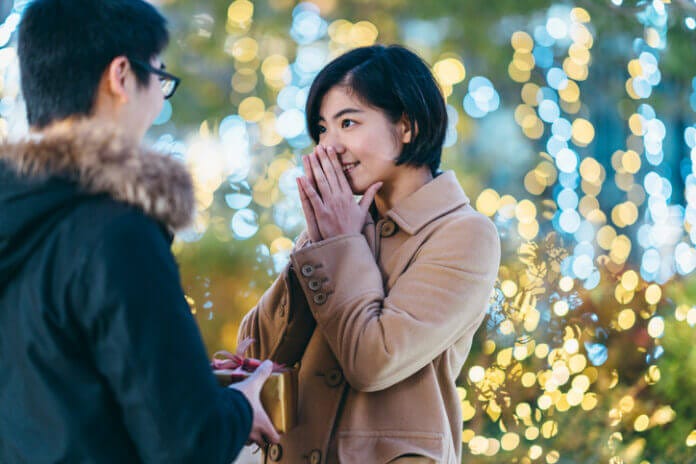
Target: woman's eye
{"x":322,"y":129}
{"x":347,"y":123}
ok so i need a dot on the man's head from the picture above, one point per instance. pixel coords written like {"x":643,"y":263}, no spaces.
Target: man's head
{"x":92,"y":58}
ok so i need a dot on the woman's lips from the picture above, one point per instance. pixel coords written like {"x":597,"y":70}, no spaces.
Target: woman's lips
{"x":348,"y":167}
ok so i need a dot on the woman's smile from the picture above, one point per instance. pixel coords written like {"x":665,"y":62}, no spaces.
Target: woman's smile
{"x":348,"y":167}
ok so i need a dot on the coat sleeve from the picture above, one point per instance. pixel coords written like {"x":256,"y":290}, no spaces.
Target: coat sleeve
{"x":146,"y":345}
{"x":383,"y":338}
{"x":281,"y":323}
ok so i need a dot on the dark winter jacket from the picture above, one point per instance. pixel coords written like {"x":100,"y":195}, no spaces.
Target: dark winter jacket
{"x":100,"y":358}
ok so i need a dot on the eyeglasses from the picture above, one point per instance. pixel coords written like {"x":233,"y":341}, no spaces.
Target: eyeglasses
{"x":168,"y":82}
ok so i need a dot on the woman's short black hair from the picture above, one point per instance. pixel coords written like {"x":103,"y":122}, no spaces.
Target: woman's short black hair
{"x":66,"y":45}
{"x":396,"y":81}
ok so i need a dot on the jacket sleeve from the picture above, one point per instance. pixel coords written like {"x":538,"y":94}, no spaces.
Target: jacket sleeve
{"x":281,"y":323}
{"x":383,"y":338}
{"x":146,"y":344}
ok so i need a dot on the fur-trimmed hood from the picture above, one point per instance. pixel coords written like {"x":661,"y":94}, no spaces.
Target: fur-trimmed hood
{"x":101,"y":161}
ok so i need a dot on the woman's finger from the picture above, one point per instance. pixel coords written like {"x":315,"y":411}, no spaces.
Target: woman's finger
{"x":310,"y":217}
{"x":369,"y":197}
{"x":329,"y":169}
{"x":314,"y":199}
{"x":338,"y":169}
{"x":308,"y":169}
{"x":323,"y":187}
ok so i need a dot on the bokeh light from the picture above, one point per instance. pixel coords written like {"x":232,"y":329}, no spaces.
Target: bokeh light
{"x":570,"y":126}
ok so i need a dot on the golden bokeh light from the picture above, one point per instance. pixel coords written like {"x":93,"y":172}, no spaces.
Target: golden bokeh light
{"x":252,"y":109}
{"x":450,"y":71}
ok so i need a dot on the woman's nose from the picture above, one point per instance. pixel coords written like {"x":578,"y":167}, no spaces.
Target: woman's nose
{"x":334,"y":142}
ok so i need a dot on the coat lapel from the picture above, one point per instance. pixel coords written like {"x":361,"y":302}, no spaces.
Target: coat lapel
{"x":435,"y":199}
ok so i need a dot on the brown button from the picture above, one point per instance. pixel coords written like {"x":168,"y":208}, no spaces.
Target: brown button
{"x":320,"y":298}
{"x":307,"y":270}
{"x":275,"y":452}
{"x":334,"y":377}
{"x":314,"y":284}
{"x":315,"y":457}
{"x":387,"y":229}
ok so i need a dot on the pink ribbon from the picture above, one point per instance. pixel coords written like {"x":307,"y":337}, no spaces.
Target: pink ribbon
{"x":237,"y":361}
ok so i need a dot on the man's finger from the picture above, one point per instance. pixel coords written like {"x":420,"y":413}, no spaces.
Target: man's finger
{"x":267,"y":430}
{"x":263,"y":372}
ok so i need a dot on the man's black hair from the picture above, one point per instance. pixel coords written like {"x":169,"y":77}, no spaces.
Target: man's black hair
{"x":396,"y":81}
{"x":66,"y":45}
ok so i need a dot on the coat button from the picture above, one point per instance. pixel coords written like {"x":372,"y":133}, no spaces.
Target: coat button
{"x":315,"y":457}
{"x":275,"y":452}
{"x":387,"y":229}
{"x":307,"y":270}
{"x":334,"y":378}
{"x":314,"y":284}
{"x":320,"y":298}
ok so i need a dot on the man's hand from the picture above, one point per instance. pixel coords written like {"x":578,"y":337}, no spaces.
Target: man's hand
{"x":262,"y":431}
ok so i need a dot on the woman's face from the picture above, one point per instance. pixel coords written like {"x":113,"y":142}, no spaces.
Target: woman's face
{"x":366,"y":141}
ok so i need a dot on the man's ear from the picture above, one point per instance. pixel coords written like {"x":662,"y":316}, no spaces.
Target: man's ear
{"x":408,"y":131}
{"x":117,"y":76}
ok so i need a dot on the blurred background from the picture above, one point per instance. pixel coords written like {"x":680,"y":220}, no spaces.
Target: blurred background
{"x":572,"y":125}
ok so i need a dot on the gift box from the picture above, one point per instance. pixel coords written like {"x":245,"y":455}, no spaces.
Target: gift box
{"x":279,"y":392}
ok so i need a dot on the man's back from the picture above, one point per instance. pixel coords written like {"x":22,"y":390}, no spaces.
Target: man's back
{"x":95,"y":334}
{"x":56,"y":405}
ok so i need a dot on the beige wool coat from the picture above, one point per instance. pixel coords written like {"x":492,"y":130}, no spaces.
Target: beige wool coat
{"x":380,"y":325}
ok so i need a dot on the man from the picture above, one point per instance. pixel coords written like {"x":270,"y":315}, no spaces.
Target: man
{"x":100,"y":357}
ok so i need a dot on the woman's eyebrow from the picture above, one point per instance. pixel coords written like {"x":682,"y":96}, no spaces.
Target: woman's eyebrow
{"x":343,"y":112}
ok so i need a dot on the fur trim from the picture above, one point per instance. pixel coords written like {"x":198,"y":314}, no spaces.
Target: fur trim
{"x":100,"y":160}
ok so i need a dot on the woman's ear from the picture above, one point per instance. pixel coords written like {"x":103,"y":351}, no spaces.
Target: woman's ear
{"x":408,"y":130}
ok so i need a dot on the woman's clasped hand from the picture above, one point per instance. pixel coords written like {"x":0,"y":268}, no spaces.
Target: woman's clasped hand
{"x":327,"y":199}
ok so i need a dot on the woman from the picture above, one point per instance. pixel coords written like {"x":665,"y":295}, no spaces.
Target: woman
{"x":381,"y":298}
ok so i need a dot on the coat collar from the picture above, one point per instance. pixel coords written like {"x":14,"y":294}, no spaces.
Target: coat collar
{"x":101,"y":161}
{"x":436,"y":198}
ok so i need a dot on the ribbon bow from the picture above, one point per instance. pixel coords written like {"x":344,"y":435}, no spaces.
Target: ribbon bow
{"x":237,"y":361}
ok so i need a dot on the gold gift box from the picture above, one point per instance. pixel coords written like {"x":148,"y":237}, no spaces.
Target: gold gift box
{"x":278,"y":395}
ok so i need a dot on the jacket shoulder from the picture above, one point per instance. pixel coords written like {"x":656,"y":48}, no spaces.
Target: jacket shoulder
{"x":465,"y":222}
{"x":462,"y":238}
{"x":92,"y":219}
{"x":100,"y":222}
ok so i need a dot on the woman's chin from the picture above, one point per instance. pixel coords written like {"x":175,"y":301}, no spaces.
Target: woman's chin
{"x":356,"y":188}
